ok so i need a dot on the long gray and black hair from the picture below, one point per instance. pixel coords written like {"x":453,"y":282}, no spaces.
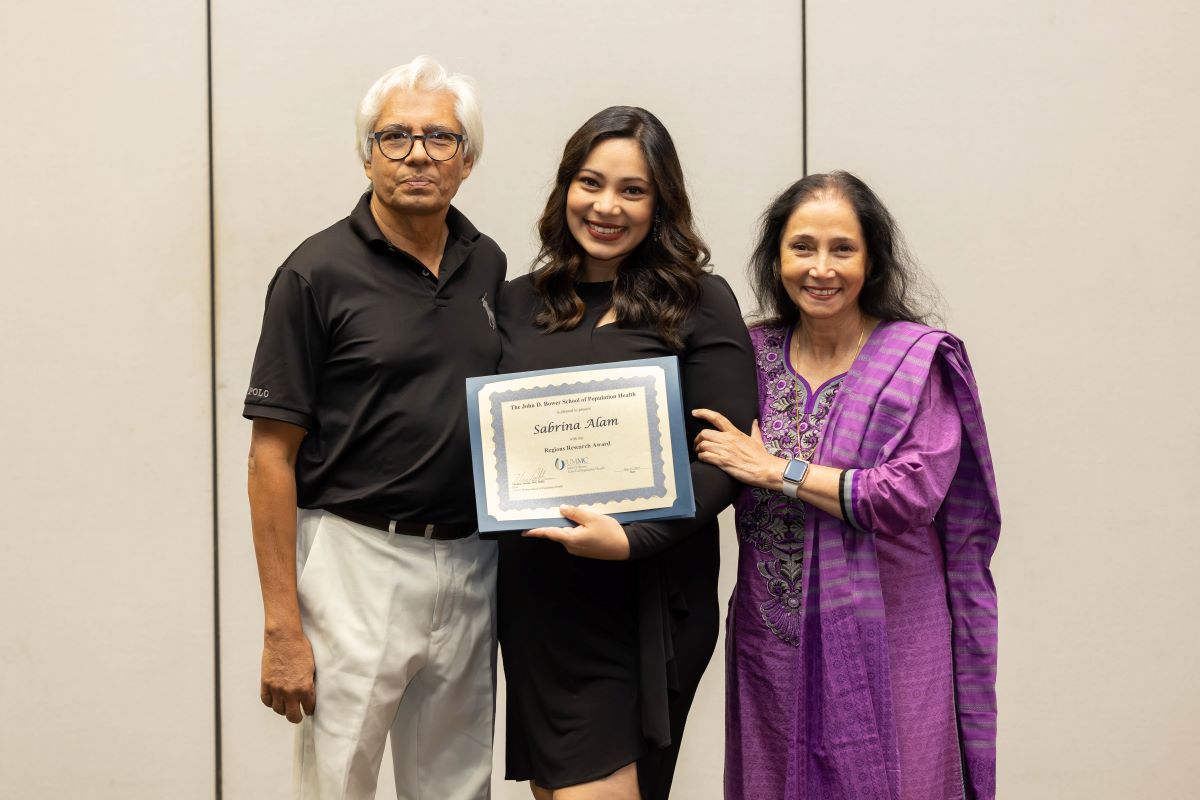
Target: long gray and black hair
{"x":894,"y":288}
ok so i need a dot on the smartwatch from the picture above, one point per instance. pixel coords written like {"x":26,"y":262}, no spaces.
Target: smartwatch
{"x":793,"y":475}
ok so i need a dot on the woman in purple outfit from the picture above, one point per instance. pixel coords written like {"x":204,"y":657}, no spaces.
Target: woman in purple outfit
{"x":861,"y":647}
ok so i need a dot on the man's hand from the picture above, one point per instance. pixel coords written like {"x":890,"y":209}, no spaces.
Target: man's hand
{"x":596,"y":536}
{"x":287,"y":660}
{"x":288,"y":673}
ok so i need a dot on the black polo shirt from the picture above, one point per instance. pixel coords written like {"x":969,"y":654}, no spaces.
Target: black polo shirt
{"x":367,"y":351}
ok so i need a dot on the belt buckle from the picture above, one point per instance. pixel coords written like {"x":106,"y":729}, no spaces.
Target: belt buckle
{"x":429,"y":531}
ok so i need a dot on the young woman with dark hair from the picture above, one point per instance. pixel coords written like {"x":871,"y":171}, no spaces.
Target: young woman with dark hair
{"x":659,"y":280}
{"x":606,"y":629}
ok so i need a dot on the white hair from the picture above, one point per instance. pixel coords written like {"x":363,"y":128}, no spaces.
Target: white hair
{"x":422,"y":74}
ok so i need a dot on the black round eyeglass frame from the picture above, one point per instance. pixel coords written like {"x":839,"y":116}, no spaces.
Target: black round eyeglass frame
{"x":459,"y":138}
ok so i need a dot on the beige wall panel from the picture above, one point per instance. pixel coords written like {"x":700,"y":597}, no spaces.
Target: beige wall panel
{"x":287,"y":80}
{"x":106,"y":578}
{"x":1042,"y":159}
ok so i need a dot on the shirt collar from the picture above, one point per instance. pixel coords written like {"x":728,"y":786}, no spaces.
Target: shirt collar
{"x":363,"y":223}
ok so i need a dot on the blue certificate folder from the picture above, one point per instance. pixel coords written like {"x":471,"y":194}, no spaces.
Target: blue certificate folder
{"x":678,"y":463}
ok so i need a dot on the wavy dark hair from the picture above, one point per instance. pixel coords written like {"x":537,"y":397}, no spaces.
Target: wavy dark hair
{"x":659,"y":281}
{"x":894,"y":288}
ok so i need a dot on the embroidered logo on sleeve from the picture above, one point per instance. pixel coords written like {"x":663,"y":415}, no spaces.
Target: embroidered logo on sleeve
{"x":260,"y":393}
{"x":488,"y":310}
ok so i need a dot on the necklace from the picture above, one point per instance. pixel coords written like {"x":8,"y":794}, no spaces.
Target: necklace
{"x":800,"y":409}
{"x":795,"y":348}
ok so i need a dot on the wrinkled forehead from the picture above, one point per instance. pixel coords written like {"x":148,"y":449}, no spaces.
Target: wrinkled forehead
{"x":419,"y":110}
{"x":826,"y":212}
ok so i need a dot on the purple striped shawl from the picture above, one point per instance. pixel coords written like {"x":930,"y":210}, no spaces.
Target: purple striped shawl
{"x":848,"y":701}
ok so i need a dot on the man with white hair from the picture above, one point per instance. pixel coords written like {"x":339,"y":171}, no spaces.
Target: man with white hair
{"x":379,"y":595}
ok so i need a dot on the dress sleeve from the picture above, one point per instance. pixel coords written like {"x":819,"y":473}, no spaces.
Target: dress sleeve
{"x":290,"y":355}
{"x":906,"y":490}
{"x":717,"y":371}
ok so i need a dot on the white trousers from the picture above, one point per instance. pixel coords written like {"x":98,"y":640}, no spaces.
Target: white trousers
{"x":404,"y":637}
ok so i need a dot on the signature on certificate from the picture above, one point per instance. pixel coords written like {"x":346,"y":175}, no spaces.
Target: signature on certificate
{"x":525,"y":478}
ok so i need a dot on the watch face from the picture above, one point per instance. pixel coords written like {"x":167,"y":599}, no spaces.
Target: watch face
{"x":794,"y":471}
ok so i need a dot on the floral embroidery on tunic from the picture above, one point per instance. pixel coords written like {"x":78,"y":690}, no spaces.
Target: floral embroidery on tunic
{"x":792,"y":423}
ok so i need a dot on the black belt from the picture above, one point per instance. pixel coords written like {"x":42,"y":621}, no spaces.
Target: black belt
{"x":441,"y":530}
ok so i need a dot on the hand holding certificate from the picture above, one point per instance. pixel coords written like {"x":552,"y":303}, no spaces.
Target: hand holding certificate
{"x":593,"y":535}
{"x":606,"y":436}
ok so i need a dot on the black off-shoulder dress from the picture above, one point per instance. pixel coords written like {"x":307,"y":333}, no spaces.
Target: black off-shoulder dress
{"x":602,"y":658}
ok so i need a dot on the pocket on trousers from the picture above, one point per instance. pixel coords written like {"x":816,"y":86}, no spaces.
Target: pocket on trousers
{"x":309,"y":534}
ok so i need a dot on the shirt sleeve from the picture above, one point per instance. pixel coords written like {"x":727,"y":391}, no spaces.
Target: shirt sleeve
{"x":717,"y":372}
{"x":906,"y":491}
{"x":291,"y":353}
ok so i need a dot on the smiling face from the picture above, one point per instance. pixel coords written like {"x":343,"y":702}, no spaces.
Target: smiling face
{"x":416,"y":184}
{"x":610,"y":205}
{"x":823,"y":258}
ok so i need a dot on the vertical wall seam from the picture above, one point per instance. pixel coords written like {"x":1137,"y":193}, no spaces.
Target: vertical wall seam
{"x":804,"y":85}
{"x":212,"y":379}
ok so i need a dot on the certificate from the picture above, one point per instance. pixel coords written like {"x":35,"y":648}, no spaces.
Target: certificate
{"x":608,"y":436}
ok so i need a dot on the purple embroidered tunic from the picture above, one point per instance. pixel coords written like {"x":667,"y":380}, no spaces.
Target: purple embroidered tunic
{"x":855,"y":656}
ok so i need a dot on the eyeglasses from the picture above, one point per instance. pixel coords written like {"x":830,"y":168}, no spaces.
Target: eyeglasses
{"x":439,"y":145}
